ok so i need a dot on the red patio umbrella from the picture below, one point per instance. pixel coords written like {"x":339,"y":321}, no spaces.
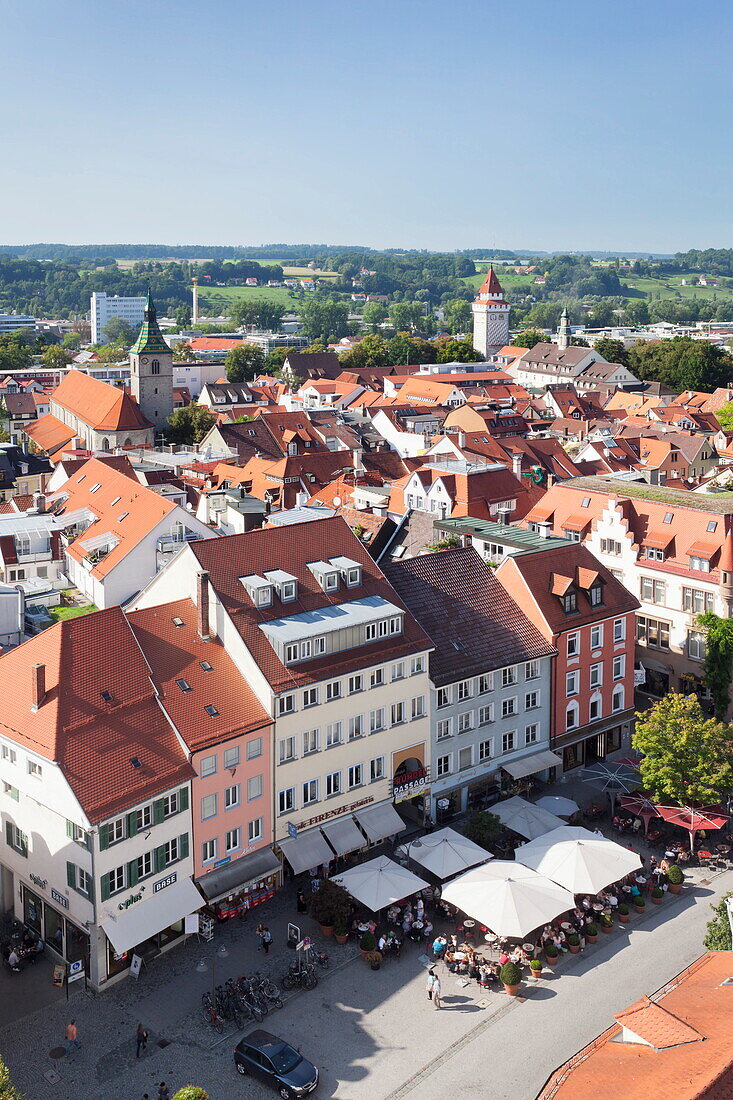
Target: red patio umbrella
{"x":694,"y":818}
{"x":641,"y":805}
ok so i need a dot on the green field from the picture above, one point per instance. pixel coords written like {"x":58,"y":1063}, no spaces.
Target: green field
{"x":59,"y":613}
{"x":219,"y":298}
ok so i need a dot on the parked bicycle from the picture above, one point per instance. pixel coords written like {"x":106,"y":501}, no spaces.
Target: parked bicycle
{"x":209,"y":1013}
{"x":300,"y":974}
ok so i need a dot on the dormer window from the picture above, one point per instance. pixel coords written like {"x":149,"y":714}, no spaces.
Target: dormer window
{"x":595,"y":595}
{"x":569,"y":603}
{"x":349,"y":570}
{"x":264,"y":596}
{"x":285,"y":583}
{"x":259,"y":589}
{"x":326,"y":575}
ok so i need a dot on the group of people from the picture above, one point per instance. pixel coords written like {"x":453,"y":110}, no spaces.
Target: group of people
{"x":412,"y":919}
{"x":26,"y":950}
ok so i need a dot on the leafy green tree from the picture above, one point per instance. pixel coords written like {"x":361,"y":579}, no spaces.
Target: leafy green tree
{"x":686,"y":756}
{"x":244,"y":363}
{"x":458,"y":315}
{"x":724,"y":417}
{"x":718,"y":659}
{"x":636,"y":311}
{"x":55,"y":357}
{"x":275,"y":359}
{"x":457,"y":351}
{"x":72,"y":341}
{"x":681,"y":363}
{"x":483,"y":828}
{"x":613,"y":351}
{"x":7,"y":1089}
{"x":183,"y":316}
{"x":717,"y":934}
{"x":407,"y":316}
{"x":529,"y":338}
{"x":375,"y":313}
{"x":189,"y":424}
{"x":325,"y":318}
{"x":15,"y":354}
{"x":260,"y":312}
{"x":190,"y":1092}
{"x":369,"y":352}
{"x":120,"y":332}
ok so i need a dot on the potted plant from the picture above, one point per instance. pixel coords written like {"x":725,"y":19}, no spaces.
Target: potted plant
{"x":340,"y":930}
{"x":657,"y":895}
{"x":328,"y":904}
{"x":535,"y":966}
{"x":367,"y":943}
{"x":374,"y":958}
{"x":573,"y":942}
{"x":606,"y":922}
{"x":623,"y":913}
{"x":591,"y":932}
{"x":675,"y":878}
{"x":551,"y":954}
{"x":639,"y":904}
{"x":511,"y":976}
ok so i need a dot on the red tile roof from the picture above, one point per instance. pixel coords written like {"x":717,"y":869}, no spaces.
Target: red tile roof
{"x":96,"y":403}
{"x":49,"y":433}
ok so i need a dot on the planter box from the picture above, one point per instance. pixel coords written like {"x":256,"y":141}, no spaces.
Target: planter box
{"x":573,"y":950}
{"x":341,"y":939}
{"x":640,"y":908}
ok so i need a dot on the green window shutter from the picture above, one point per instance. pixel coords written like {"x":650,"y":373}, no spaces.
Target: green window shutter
{"x":104,"y":883}
{"x":183,"y":846}
{"x":15,"y":794}
{"x":132,"y":873}
{"x":9,"y":833}
{"x":23,"y":845}
{"x":103,"y":838}
{"x":160,"y":858}
{"x":183,"y":798}
{"x":158,"y":812}
{"x":132,"y":824}
{"x":71,"y":875}
{"x":70,"y":829}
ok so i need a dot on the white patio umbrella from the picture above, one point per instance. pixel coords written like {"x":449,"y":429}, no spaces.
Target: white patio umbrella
{"x":525,"y":818}
{"x":508,"y":898}
{"x":445,"y":853}
{"x":379,"y":882}
{"x":554,"y":804}
{"x":578,"y":860}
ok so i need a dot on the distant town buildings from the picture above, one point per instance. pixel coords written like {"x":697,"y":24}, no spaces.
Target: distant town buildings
{"x":104,"y":307}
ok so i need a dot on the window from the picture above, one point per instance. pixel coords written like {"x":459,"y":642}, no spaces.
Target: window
{"x":356,"y":683}
{"x":508,"y":676}
{"x":653,"y":553}
{"x":531,"y":733}
{"x":668,"y":517}
{"x":286,"y":800}
{"x":319,"y":646}
{"x":292,"y":652}
{"x":618,"y":699}
{"x":333,"y":784}
{"x":486,"y":714}
{"x":443,"y":766}
{"x":486,"y":683}
{"x":377,"y":719}
{"x":696,"y":647}
{"x":443,"y":729}
{"x":464,"y":690}
{"x":310,"y":697}
{"x":356,"y":776}
{"x":443,"y":697}
{"x":376,"y":769}
{"x":333,"y":691}
{"x":255,"y":830}
{"x":595,"y":595}
{"x":231,"y":757}
{"x":353,"y":577}
{"x":596,"y":674}
{"x":485,"y":750}
{"x":465,"y":758}
{"x":712,"y":526}
{"x":532,"y":670}
{"x":652,"y":632}
{"x":571,"y":536}
{"x":377,"y":678}
{"x":508,"y":741}
{"x":398,"y":713}
{"x":585,"y":503}
{"x":609,"y":546}
{"x":571,"y":683}
{"x":208,"y":851}
{"x":35,"y":769}
{"x":596,"y":636}
{"x":310,"y":792}
{"x":9,"y":755}
{"x":531,"y":700}
{"x":619,"y":630}
{"x":208,"y":807}
{"x":288,"y":592}
{"x":465,"y":721}
{"x":595,"y":708}
{"x":286,"y":749}
{"x":697,"y":602}
{"x":155,"y":367}
{"x":211,"y":711}
{"x":233,"y":840}
{"x":171,"y":804}
{"x":286,"y":704}
{"x":231,"y":797}
{"x":116,"y":831}
{"x":573,"y":644}
{"x":184,"y":685}
{"x":619,"y":667}
{"x":310,"y":742}
{"x":398,"y":671}
{"x":702,"y":565}
{"x":418,"y":707}
{"x":333,"y":734}
{"x":254,"y":748}
{"x":114,"y":881}
{"x":571,"y":716}
{"x":255,"y":787}
{"x":653,"y":591}
{"x":16,"y":839}
{"x":356,"y":726}
{"x":208,"y":766}
{"x":417,"y":665}
{"x":509,"y":707}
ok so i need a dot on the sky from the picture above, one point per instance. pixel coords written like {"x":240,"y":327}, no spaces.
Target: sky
{"x":467,"y":124}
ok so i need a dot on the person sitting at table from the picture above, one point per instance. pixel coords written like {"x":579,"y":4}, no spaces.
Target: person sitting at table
{"x":427,"y":930}
{"x":559,"y":941}
{"x":503,"y":958}
{"x":586,"y":903}
{"x":517,"y":955}
{"x":406,"y":924}
{"x":451,"y":962}
{"x":617,"y":823}
{"x":14,"y":959}
{"x":439,"y":946}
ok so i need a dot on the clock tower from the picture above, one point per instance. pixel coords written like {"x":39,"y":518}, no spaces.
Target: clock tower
{"x":151,"y":371}
{"x":490,"y":317}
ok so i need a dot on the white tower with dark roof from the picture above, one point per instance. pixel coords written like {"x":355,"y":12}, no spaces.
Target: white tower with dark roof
{"x":490,"y":317}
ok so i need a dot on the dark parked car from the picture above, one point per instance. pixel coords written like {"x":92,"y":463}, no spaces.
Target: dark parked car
{"x":275,"y":1062}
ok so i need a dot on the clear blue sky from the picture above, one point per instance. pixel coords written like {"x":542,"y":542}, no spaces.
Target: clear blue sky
{"x":402,"y":123}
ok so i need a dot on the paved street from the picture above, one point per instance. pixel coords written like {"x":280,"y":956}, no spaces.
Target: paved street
{"x":372,"y":1034}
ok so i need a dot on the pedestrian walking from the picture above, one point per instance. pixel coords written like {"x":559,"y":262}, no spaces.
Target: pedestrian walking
{"x":302,"y":905}
{"x":437,"y":990}
{"x":265,"y":938}
{"x":72,"y":1042}
{"x":163,"y":1092}
{"x":430,"y":983}
{"x":142,"y":1040}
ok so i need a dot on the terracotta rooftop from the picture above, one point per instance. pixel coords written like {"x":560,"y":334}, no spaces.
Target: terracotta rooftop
{"x":96,"y":403}
{"x":49,"y":433}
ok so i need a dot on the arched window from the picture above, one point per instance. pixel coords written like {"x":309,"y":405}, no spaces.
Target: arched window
{"x":155,"y":366}
{"x":105,"y":444}
{"x":618,"y":699}
{"x":571,"y":716}
{"x":128,"y":442}
{"x":595,"y":709}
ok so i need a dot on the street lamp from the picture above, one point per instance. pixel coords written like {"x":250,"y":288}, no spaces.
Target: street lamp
{"x":202,"y":967}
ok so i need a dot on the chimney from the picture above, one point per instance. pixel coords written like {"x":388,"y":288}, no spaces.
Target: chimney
{"x":517,"y":464}
{"x":202,"y":605}
{"x":461,"y":440}
{"x":358,"y":464}
{"x":38,"y":686}
{"x":550,"y":480}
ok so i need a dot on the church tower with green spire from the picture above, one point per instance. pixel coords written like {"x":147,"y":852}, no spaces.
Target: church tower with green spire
{"x":151,"y":371}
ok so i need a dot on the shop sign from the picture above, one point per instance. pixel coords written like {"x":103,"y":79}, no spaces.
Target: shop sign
{"x":41,"y":883}
{"x":335,"y":813}
{"x":223,"y":862}
{"x":162,"y":883}
{"x":639,"y":677}
{"x":132,"y":899}
{"x":292,"y":829}
{"x":59,"y":899}
{"x":409,"y":784}
{"x":76,"y":971}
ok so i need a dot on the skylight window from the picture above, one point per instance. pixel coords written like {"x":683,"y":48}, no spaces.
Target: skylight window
{"x":176,"y":621}
{"x":206,"y":666}
{"x":712,"y":526}
{"x":668,"y":517}
{"x":123,"y":516}
{"x":183,"y":685}
{"x":107,"y":696}
{"x":211,"y":711}
{"x":585,"y":503}
{"x":115,"y":501}
{"x":95,"y":487}
{"x":80,"y":479}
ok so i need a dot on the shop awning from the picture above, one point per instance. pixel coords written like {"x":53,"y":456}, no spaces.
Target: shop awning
{"x":529,"y":765}
{"x":306,"y":850}
{"x":234,"y":876}
{"x":343,"y":835}
{"x":141,"y":921}
{"x":380,"y":821}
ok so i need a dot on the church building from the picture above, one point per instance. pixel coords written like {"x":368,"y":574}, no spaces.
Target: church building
{"x":151,"y":371}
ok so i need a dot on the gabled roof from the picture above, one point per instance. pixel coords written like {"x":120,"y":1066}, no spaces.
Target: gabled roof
{"x":656,"y":1026}
{"x":93,"y":740}
{"x":473,"y":623}
{"x":49,"y":433}
{"x":96,"y":403}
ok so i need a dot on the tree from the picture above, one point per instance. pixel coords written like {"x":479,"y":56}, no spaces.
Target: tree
{"x":275,"y":359}
{"x":56,"y":358}
{"x":374,"y":315}
{"x":458,"y":315}
{"x":636,"y":311}
{"x":258,"y":312}
{"x":724,"y":417}
{"x":189,"y":1092}
{"x":407,"y":316}
{"x":717,"y":935}
{"x":687,"y":757}
{"x":457,"y":351}
{"x":369,"y":352}
{"x":15,"y":354}
{"x":681,"y":363}
{"x":119,"y":331}
{"x":244,"y":363}
{"x":183,"y":316}
{"x":184,"y":353}
{"x":483,"y":827}
{"x":324,"y":319}
{"x":7,"y":1089}
{"x":190,"y":424}
{"x":72,"y":341}
{"x":529,"y":338}
{"x":718,"y":659}
{"x":613,"y":351}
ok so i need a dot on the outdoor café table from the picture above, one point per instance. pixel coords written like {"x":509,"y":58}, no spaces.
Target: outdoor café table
{"x":641,"y":880}
{"x":597,"y":907}
{"x":671,"y":855}
{"x":566,"y":926}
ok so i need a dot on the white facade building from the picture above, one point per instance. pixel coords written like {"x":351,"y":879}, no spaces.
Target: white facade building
{"x":10,"y":322}
{"x":104,"y":308}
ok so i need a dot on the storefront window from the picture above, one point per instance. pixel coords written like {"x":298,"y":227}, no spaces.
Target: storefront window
{"x":77,"y":944}
{"x":172,"y":933}
{"x":54,"y":930}
{"x":613,"y":739}
{"x":117,"y":963}
{"x":32,"y":910}
{"x":572,"y":756}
